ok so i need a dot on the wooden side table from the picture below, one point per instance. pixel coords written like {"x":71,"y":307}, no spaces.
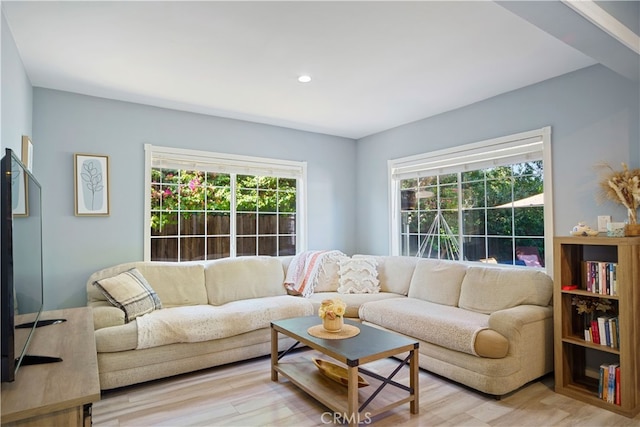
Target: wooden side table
{"x":57,"y":393}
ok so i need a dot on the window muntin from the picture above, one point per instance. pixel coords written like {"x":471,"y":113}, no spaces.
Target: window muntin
{"x":217,"y":208}
{"x":485,"y":200}
{"x":190,"y":215}
{"x":266,"y":215}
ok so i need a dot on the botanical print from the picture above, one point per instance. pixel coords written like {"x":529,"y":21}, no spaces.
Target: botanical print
{"x":92,"y":184}
{"x":93,"y":187}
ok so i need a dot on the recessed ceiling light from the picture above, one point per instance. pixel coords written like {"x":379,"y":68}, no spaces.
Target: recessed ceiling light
{"x":304,"y":79}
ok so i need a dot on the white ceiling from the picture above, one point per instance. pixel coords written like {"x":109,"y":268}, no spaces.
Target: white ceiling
{"x":375,"y":65}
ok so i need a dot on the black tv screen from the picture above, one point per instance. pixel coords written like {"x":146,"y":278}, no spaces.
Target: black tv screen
{"x":21,"y":276}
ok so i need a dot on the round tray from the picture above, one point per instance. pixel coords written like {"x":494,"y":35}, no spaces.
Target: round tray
{"x":347,"y":331}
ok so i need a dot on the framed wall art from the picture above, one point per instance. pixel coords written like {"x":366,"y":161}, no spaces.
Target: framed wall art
{"x":27,"y":153}
{"x":19,"y":190}
{"x":91,"y":184}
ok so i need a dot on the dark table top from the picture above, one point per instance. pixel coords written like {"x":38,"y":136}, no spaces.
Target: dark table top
{"x":365,"y":346}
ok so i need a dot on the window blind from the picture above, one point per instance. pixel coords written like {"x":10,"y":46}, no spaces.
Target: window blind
{"x":172,"y":158}
{"x":482,"y":155}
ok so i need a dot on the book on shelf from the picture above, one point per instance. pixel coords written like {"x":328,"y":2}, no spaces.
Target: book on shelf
{"x":595,"y":332}
{"x":603,"y":330}
{"x":609,"y":383}
{"x":603,"y":384}
{"x":613,"y":331}
{"x":618,"y":400}
{"x":601,"y":277}
{"x":614,"y":281}
{"x":612,"y":383}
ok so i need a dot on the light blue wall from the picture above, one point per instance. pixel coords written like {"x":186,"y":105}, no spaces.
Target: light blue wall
{"x":593,"y":114}
{"x":594,"y":117}
{"x":17,"y":94}
{"x":66,"y":123}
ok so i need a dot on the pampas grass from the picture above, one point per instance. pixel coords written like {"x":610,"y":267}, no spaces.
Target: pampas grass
{"x":622,"y":187}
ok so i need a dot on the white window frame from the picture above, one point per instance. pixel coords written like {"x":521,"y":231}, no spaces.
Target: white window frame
{"x":501,"y":151}
{"x":180,"y":158}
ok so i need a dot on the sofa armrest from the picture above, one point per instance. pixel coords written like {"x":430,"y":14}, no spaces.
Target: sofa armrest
{"x":529,"y":329}
{"x":106,"y":315}
{"x":511,"y":321}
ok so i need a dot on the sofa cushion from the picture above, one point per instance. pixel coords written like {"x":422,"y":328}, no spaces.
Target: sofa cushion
{"x":233,"y":279}
{"x":437,"y":281}
{"x":358,"y":276}
{"x":176,"y":284}
{"x":394,"y":272}
{"x":442,"y":325}
{"x":286,"y":261}
{"x":353,"y":301}
{"x":117,"y":338}
{"x":130,"y":292}
{"x":489,"y":289}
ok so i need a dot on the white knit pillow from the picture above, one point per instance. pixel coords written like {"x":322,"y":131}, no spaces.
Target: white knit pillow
{"x":328,"y":276}
{"x":358,"y":276}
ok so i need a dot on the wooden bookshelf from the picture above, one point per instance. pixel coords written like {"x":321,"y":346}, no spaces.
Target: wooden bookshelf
{"x":578,"y":360}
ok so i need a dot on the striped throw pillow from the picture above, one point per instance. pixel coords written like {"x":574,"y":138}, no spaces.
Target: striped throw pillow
{"x":130,"y":292}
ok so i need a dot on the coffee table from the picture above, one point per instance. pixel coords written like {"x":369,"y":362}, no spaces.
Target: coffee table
{"x":369,"y":345}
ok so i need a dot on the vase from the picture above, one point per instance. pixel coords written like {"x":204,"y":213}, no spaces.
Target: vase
{"x":332,"y":325}
{"x":632,"y":214}
{"x":632,"y":230}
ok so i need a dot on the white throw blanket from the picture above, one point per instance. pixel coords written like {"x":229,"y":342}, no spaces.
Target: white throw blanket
{"x":302,"y":274}
{"x":179,"y":324}
{"x":196,"y":323}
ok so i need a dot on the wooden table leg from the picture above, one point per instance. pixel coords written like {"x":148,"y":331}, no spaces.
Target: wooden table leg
{"x":414,"y":383}
{"x":274,"y":354}
{"x":352,"y":396}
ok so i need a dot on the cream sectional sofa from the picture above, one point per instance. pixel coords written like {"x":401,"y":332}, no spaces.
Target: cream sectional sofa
{"x":221,"y":310}
{"x":484,"y":326}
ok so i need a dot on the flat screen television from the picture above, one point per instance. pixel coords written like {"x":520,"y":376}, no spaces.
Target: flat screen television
{"x":21,"y":275}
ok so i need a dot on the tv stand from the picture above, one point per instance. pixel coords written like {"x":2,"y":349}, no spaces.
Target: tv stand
{"x":55,"y":394}
{"x":29,"y":359}
{"x":40,"y":323}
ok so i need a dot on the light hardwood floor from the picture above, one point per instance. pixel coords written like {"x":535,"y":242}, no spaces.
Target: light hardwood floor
{"x":242,"y":394}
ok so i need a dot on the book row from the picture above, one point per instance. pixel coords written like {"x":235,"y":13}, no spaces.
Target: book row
{"x":609,"y":384}
{"x":601,"y":277}
{"x":604,"y":330}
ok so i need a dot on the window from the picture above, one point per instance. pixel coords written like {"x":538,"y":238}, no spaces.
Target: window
{"x":202,"y":205}
{"x":488,"y":201}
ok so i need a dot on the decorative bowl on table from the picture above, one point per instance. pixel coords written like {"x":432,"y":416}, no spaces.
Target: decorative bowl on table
{"x":337,"y":373}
